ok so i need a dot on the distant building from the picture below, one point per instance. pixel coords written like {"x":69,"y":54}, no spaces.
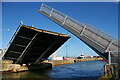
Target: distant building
{"x":81,"y":56}
{"x":57,"y":58}
{"x":54,"y":57}
{"x":89,"y":57}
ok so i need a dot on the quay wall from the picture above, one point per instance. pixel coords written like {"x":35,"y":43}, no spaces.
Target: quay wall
{"x":90,"y":59}
{"x":60,"y":62}
{"x":8,"y":66}
{"x":69,"y":61}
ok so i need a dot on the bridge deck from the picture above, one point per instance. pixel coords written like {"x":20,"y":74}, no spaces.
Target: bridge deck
{"x":31,"y":45}
{"x":99,"y":41}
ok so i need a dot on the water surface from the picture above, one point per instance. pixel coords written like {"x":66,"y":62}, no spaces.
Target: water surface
{"x":89,"y":70}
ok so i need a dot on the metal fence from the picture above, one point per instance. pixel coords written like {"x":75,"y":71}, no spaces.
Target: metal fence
{"x":63,"y":17}
{"x":114,"y":57}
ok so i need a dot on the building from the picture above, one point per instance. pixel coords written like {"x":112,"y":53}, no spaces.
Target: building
{"x":81,"y":56}
{"x":57,"y":58}
{"x":54,"y":57}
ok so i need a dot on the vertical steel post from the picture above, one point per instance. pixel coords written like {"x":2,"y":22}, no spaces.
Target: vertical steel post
{"x":109,"y":58}
{"x":41,"y":7}
{"x":51,"y":12}
{"x":64,"y":19}
{"x":83,"y":30}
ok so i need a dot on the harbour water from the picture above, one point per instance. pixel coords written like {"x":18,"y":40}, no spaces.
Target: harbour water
{"x":88,"y":70}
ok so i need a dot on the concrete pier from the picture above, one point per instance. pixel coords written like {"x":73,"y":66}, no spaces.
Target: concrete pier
{"x":8,"y":66}
{"x":110,"y":72}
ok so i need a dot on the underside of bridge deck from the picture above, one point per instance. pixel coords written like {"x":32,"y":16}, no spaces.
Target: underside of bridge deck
{"x":101,"y":42}
{"x":31,"y":45}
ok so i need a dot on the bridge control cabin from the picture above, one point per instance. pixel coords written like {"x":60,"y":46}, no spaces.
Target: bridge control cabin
{"x":31,"y":45}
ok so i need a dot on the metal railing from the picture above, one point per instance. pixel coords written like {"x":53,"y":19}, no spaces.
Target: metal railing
{"x":12,"y":38}
{"x":114,"y":57}
{"x":61,"y":17}
{"x":104,"y":40}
